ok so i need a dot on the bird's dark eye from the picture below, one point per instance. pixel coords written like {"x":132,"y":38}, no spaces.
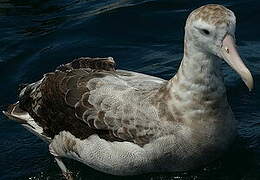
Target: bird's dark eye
{"x":205,"y":31}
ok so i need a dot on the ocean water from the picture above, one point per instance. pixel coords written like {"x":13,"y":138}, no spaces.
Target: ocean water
{"x":144,"y":36}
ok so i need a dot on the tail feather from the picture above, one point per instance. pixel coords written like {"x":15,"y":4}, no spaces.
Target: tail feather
{"x":14,"y":112}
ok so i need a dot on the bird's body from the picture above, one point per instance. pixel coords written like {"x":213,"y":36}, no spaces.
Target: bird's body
{"x":126,"y":123}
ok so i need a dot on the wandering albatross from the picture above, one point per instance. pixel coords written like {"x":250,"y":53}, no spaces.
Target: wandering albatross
{"x":125,"y":123}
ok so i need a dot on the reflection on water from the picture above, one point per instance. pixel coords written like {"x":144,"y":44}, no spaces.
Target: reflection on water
{"x":142,"y":35}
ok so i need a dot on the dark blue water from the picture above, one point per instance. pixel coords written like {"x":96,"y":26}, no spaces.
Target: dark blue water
{"x":144,"y":36}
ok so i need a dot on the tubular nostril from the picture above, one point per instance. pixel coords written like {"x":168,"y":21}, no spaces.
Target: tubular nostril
{"x":227,"y":50}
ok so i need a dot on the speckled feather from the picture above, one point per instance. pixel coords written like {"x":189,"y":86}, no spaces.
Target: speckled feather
{"x":88,"y":96}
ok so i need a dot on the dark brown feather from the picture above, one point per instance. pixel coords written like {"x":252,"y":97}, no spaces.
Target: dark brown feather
{"x":63,"y":99}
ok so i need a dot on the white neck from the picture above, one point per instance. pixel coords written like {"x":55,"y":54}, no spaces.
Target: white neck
{"x":200,"y":70}
{"x":199,"y":67}
{"x":200,"y":75}
{"x":196,"y":98}
{"x":197,"y":90}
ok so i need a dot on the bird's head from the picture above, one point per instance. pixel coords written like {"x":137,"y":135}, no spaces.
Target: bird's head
{"x":211,"y":30}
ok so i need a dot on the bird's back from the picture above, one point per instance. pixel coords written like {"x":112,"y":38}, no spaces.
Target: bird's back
{"x":88,"y":96}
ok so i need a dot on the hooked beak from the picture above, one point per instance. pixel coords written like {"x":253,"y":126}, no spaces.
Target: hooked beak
{"x":231,"y":56}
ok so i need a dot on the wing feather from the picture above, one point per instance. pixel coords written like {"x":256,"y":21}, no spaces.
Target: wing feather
{"x":88,"y":96}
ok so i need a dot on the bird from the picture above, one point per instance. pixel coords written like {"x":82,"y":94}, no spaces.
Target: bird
{"x":126,"y":123}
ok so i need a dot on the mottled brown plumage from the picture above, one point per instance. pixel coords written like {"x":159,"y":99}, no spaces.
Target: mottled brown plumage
{"x":213,"y":14}
{"x":61,"y":102}
{"x":58,"y":102}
